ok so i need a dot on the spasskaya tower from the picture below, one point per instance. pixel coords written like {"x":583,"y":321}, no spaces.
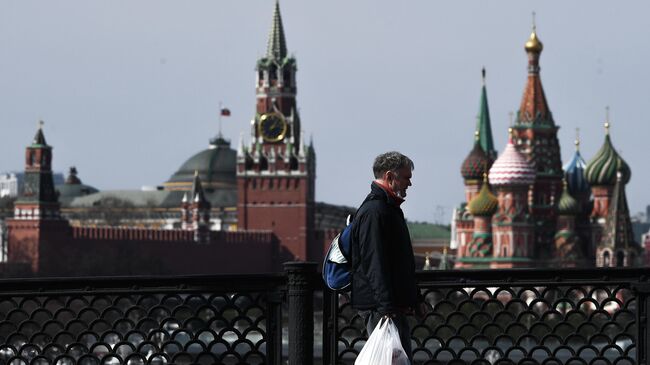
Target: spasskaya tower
{"x":276,"y":170}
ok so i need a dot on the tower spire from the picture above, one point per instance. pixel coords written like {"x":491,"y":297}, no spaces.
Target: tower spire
{"x":483,"y":124}
{"x":277,"y":45}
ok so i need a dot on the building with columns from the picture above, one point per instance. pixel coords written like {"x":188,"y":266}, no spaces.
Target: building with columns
{"x":531,"y":211}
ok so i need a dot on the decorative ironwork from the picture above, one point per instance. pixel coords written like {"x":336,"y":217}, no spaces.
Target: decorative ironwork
{"x":142,"y":323}
{"x":489,"y":318}
{"x":476,"y":317}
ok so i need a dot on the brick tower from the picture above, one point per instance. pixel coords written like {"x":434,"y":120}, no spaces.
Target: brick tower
{"x":276,"y":173}
{"x":536,"y":137}
{"x":37,"y":221}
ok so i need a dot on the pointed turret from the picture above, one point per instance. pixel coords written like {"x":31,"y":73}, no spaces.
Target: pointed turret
{"x":484,"y":126}
{"x":277,"y":46}
{"x":200,"y":211}
{"x":617,"y":246}
{"x":39,"y":138}
{"x":197,"y":195}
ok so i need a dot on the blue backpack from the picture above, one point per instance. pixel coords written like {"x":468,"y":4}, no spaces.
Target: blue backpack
{"x":338,"y":264}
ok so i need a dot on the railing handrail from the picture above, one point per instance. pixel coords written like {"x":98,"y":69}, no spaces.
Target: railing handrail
{"x":510,"y":276}
{"x":234,"y":282}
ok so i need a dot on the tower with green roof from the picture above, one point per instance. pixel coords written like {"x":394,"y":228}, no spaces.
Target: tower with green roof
{"x":37,"y":216}
{"x":483,"y":125}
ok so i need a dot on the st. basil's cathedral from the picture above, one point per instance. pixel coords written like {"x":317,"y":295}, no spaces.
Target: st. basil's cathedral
{"x":524,"y":209}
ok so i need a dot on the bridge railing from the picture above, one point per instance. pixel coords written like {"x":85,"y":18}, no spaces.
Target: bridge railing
{"x":476,"y":317}
{"x":597,"y":316}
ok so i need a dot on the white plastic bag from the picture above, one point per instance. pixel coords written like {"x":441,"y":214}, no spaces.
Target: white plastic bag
{"x":383,"y":347}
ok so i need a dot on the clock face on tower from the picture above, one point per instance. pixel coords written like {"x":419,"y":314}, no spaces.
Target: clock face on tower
{"x":272,"y":127}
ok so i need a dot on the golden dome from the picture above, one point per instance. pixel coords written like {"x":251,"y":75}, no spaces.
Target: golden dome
{"x":534,"y":44}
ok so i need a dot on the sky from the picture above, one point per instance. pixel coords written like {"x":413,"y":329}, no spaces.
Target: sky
{"x":129,"y":90}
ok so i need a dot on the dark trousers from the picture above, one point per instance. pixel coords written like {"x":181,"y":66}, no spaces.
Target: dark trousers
{"x":371,"y":318}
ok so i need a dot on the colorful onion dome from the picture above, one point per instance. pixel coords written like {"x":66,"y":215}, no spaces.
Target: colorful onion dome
{"x":534,"y":44}
{"x":476,"y":163}
{"x":512,"y":168}
{"x":484,"y":203}
{"x":601,"y":170}
{"x":574,"y":173}
{"x":567,"y":205}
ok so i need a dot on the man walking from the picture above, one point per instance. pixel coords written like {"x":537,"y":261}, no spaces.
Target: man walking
{"x":383,"y":267}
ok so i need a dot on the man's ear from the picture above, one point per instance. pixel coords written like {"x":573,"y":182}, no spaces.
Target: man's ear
{"x":388,"y":176}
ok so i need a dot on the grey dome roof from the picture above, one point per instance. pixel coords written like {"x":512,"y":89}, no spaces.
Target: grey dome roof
{"x":217,"y":167}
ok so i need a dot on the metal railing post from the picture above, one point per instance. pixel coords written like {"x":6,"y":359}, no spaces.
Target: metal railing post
{"x":300,"y":297}
{"x":642,"y":291}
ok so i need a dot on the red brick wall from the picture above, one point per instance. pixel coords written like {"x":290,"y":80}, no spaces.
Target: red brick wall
{"x":51,"y":248}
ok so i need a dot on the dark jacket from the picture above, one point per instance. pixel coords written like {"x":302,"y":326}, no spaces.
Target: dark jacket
{"x":383,"y":267}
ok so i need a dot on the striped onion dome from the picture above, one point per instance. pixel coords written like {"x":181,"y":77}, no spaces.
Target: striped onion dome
{"x":475,"y":164}
{"x":567,"y":205}
{"x":601,"y":170}
{"x":574,"y":173}
{"x":512,"y":168}
{"x":484,"y":203}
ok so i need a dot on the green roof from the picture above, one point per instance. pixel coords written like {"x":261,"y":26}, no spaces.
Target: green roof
{"x":423,"y":230}
{"x":484,"y":126}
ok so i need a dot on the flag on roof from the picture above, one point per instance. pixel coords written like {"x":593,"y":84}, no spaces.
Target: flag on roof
{"x":225,"y":112}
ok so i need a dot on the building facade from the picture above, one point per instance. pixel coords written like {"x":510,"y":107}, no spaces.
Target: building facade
{"x":530,"y":211}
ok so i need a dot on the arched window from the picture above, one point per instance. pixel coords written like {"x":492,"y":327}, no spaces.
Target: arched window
{"x":606,"y":259}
